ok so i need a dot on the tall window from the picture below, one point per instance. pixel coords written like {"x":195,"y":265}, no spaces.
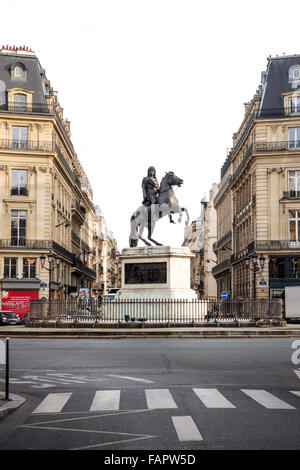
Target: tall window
{"x":29,"y":267}
{"x":10,"y":267}
{"x":20,"y":102}
{"x":19,"y":183}
{"x":19,"y":137}
{"x":18,"y":228}
{"x":294,"y":183}
{"x":294,"y":137}
{"x":294,"y":227}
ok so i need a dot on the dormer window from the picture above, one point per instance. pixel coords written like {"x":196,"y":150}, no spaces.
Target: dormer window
{"x":18,"y":72}
{"x":294,"y":75}
{"x":20,"y":102}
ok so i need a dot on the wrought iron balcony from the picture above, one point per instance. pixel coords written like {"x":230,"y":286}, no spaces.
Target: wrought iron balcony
{"x":78,"y":264}
{"x":10,"y":144}
{"x":277,"y":146}
{"x":26,"y":244}
{"x":274,"y":245}
{"x":221,"y":267}
{"x":291,"y":194}
{"x":21,"y":108}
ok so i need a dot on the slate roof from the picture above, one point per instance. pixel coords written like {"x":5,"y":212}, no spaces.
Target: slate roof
{"x":276,"y":82}
{"x":35,"y":78}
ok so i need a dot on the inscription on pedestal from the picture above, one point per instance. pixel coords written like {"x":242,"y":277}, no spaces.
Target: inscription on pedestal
{"x":145,"y":273}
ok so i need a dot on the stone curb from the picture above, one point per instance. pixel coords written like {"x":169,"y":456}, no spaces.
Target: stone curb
{"x":117,"y":333}
{"x":6,"y":407}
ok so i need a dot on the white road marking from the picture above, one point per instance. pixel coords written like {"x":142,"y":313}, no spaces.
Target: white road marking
{"x":268,"y":400}
{"x":159,"y":399}
{"x":295,"y":393}
{"x":297,"y":372}
{"x":186,"y":428}
{"x":106,"y":400}
{"x":212,"y":398}
{"x":135,"y":379}
{"x":53,"y":403}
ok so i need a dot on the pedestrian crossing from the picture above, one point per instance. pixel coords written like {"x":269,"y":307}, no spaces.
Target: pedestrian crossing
{"x":159,"y":399}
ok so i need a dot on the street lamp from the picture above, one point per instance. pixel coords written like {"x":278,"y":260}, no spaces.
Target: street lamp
{"x":54,"y":263}
{"x":257,"y":266}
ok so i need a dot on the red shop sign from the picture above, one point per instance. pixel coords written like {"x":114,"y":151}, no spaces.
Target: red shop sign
{"x":17,"y":301}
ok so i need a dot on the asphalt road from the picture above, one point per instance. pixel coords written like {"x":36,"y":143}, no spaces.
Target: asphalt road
{"x":157,"y":394}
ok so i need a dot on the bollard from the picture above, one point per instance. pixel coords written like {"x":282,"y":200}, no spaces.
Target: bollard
{"x":7,"y":371}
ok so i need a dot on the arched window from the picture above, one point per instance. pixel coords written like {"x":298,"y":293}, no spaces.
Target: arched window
{"x":20,"y":102}
{"x":294,"y":74}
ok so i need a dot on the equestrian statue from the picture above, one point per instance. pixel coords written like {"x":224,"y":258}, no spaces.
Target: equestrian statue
{"x":159,"y":200}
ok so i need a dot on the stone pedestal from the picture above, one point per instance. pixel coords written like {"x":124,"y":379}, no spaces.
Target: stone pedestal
{"x":156,"y":272}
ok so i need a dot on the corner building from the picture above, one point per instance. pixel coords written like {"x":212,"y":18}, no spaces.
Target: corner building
{"x":258,"y":200}
{"x":45,"y":197}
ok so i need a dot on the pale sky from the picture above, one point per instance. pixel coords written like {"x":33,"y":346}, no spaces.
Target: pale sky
{"x":152,"y":83}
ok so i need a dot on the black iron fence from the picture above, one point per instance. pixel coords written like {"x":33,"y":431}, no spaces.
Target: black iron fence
{"x":159,"y":311}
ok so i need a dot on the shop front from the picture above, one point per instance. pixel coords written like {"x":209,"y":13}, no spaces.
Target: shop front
{"x":16,"y":296}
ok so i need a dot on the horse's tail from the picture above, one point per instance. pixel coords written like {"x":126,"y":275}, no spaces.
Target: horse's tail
{"x":134,"y":224}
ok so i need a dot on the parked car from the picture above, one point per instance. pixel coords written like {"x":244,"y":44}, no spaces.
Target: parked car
{"x":9,"y":318}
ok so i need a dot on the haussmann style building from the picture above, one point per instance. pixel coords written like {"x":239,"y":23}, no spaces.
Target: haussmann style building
{"x":258,"y":200}
{"x":47,"y":213}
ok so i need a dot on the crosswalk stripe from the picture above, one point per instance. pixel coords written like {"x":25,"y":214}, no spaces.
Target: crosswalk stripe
{"x":53,"y":403}
{"x":106,"y":400}
{"x":267,"y":400}
{"x":296,"y":393}
{"x":212,"y":398}
{"x":159,"y":398}
{"x":186,"y":428}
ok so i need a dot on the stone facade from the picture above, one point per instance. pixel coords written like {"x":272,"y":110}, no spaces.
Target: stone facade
{"x":258,"y":202}
{"x":200,"y":237}
{"x":46,"y":200}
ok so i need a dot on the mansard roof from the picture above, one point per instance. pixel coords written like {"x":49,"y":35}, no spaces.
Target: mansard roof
{"x":275,"y":81}
{"x":34,"y":79}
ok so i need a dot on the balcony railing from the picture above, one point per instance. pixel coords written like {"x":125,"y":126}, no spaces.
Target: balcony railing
{"x":79,"y":208}
{"x":78,"y":264}
{"x":26,"y":244}
{"x":9,"y":144}
{"x":11,"y":107}
{"x":221,"y":267}
{"x":291,"y":194}
{"x":276,"y":245}
{"x":277,"y":146}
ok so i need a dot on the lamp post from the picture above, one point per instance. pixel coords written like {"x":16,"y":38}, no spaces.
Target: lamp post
{"x":54,"y":263}
{"x":257,"y":266}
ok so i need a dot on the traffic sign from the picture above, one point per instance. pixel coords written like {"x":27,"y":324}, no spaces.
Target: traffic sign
{"x":224,"y":295}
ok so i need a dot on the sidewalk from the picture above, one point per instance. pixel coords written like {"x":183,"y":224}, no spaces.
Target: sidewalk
{"x":7,"y":406}
{"x":289,"y":331}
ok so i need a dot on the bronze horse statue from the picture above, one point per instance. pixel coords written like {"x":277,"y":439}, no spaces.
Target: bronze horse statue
{"x":147,"y":216}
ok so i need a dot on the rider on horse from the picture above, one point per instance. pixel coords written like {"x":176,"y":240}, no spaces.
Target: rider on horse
{"x":150,"y":188}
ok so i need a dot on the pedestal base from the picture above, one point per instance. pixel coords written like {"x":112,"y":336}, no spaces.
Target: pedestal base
{"x":156,"y":272}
